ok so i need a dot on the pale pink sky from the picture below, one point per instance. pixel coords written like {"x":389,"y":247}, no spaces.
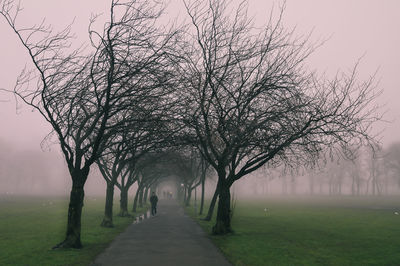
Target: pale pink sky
{"x":355,"y":27}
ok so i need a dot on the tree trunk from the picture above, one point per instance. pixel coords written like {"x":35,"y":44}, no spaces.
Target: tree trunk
{"x":146,"y":195}
{"x":184,"y":194}
{"x":202,"y":196}
{"x":73,"y":235}
{"x":134,"y":209}
{"x":373,"y":184}
{"x":320,"y":187}
{"x":293,"y":185}
{"x":141,"y":197}
{"x":189,"y":196}
{"x":123,"y":203}
{"x":108,"y":210}
{"x":212,"y":204}
{"x":223,"y":223}
{"x":311,"y":183}
{"x":284,"y":185}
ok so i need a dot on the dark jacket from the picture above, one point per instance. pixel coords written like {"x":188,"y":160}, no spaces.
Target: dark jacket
{"x":153,"y":200}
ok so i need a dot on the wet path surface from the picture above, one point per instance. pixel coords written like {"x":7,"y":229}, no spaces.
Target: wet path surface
{"x":169,"y":238}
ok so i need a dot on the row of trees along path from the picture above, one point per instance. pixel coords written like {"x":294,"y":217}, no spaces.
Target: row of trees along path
{"x":239,"y":95}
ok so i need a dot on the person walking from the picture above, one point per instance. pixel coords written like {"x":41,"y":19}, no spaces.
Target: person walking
{"x":153,"y":201}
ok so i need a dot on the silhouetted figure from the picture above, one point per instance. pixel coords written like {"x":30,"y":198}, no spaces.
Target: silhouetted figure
{"x":153,"y":201}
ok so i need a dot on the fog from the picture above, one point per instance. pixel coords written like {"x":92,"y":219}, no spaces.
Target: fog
{"x":352,"y":29}
{"x":37,"y":172}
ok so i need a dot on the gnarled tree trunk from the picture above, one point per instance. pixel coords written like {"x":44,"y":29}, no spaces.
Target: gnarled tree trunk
{"x":123,"y":203}
{"x":73,"y":235}
{"x":146,"y":194}
{"x":184,"y":194}
{"x":189,"y":196}
{"x":202,"y":195}
{"x":212,"y":204}
{"x":135,"y":201}
{"x":108,"y":210}
{"x":141,"y":197}
{"x":223,"y":222}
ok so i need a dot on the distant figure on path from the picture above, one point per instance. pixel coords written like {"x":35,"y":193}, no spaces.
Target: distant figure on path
{"x":153,"y":201}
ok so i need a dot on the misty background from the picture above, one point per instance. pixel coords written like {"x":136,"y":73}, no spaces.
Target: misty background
{"x":352,"y":30}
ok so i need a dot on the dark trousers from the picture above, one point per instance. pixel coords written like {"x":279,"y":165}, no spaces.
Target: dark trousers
{"x":153,"y":209}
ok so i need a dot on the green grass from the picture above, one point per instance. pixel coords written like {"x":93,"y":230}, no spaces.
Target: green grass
{"x":31,"y":226}
{"x":323,"y":231}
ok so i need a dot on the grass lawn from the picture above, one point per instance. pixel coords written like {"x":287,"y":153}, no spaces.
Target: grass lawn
{"x":319,"y":231}
{"x":31,"y":226}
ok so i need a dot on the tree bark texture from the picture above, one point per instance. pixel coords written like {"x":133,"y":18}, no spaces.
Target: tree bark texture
{"x":135,"y":200}
{"x":212,"y":204}
{"x":223,"y":222}
{"x":202,"y":196}
{"x":123,"y":203}
{"x":189,"y":196}
{"x":146,"y":194}
{"x":108,"y":210}
{"x":184,"y":194}
{"x":141,"y":197}
{"x":73,"y":235}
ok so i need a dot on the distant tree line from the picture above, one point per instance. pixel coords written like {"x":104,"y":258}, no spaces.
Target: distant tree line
{"x":370,"y":171}
{"x":24,"y":171}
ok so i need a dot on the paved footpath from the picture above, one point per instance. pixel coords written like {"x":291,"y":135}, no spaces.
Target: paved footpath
{"x":169,"y":238}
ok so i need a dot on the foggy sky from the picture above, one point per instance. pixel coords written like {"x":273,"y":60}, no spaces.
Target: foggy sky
{"x":355,"y":28}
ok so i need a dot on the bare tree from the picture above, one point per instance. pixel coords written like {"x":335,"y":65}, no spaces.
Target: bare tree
{"x":192,"y":168}
{"x":355,"y":171}
{"x":375,"y":167}
{"x":150,"y":169}
{"x":83,"y":94}
{"x":204,"y":172}
{"x":111,"y":167}
{"x":125,"y":149}
{"x":250,"y":100}
{"x":392,"y":161}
